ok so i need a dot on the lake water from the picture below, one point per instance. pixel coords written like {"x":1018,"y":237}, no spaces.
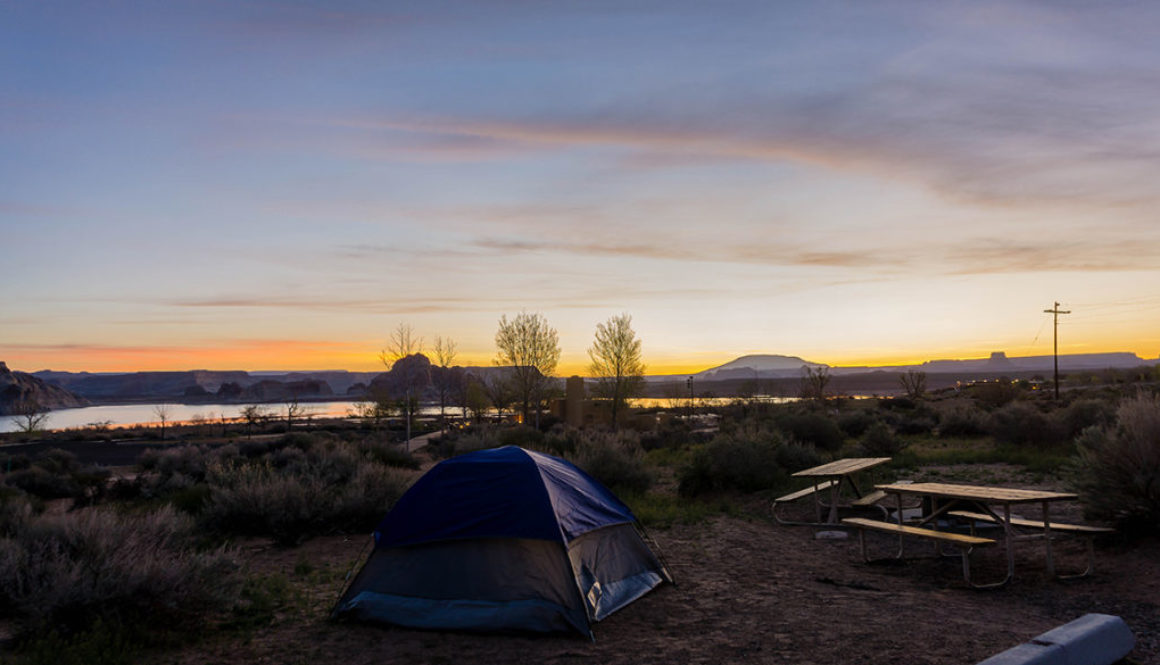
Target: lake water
{"x":144,"y":414}
{"x":135,"y":414}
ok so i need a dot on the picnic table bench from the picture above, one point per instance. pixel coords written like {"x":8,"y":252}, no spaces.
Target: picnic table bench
{"x":1082,"y":530}
{"x":963,"y":542}
{"x":974,"y":503}
{"x":832,"y":476}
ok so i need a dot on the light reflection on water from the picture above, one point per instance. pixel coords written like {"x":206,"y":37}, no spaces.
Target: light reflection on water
{"x":145,"y":414}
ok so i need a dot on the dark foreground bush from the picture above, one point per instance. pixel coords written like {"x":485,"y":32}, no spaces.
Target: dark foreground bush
{"x":1118,"y":470}
{"x":68,"y":571}
{"x":616,"y":461}
{"x":323,"y":493}
{"x":1022,"y":424}
{"x":815,"y":429}
{"x":880,"y":441}
{"x":963,"y":420}
{"x":729,"y":464}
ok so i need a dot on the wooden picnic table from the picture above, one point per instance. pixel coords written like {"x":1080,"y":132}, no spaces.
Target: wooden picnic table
{"x":982,"y":501}
{"x":840,"y":473}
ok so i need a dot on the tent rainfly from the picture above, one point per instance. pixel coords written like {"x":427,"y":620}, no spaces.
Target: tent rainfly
{"x":504,"y":540}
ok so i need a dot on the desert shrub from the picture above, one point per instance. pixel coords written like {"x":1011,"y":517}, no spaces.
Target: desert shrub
{"x":68,"y":571}
{"x":897,"y":403}
{"x":192,"y":498}
{"x":562,"y":440}
{"x":37,"y":481}
{"x":388,"y":454}
{"x":9,"y":463}
{"x":255,"y":500}
{"x":732,"y":464}
{"x":617,"y":462}
{"x":880,"y":441}
{"x":916,"y":422}
{"x":57,"y":461}
{"x":361,"y":504}
{"x":16,"y":511}
{"x":1118,"y":469}
{"x":813,"y":428}
{"x":292,"y":494}
{"x":994,"y":394}
{"x":1020,"y":423}
{"x":793,"y":456}
{"x":459,"y":443}
{"x":855,"y":423}
{"x":523,"y":436}
{"x":1084,"y":413}
{"x":963,"y":421}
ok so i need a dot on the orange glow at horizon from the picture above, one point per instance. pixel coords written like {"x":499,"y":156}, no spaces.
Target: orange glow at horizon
{"x":363,"y":356}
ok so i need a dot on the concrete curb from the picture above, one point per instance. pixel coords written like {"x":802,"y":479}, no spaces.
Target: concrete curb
{"x":1093,"y":639}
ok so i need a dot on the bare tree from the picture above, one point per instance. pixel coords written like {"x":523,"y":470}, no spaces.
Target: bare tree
{"x":531,"y":348}
{"x":616,"y":362}
{"x":30,"y":415}
{"x":293,"y":410}
{"x":914,"y":383}
{"x":444,"y":357}
{"x":404,"y":343}
{"x":162,"y":412}
{"x":814,"y":382}
{"x":254,"y":415}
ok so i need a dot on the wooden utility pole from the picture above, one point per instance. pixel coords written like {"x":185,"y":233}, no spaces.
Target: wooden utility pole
{"x":1055,"y":312}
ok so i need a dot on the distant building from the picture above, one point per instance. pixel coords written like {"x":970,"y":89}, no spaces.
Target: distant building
{"x":576,"y":410}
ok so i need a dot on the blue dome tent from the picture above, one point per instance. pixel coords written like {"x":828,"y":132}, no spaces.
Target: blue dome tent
{"x":504,"y":539}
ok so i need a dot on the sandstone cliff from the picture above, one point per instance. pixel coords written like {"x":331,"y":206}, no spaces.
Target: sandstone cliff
{"x":18,"y":388}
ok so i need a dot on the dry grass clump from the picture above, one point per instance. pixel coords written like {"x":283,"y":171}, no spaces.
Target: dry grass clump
{"x":292,"y":494}
{"x":1118,"y":473}
{"x":290,"y":489}
{"x":66,"y":572}
{"x":616,"y":460}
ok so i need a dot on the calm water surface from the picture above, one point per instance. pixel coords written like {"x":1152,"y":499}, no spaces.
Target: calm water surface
{"x":145,"y":414}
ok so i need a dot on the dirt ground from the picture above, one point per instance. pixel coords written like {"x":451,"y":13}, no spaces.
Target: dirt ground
{"x":748,"y":591}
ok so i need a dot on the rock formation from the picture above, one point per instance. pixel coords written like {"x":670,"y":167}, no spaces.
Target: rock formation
{"x":19,"y":388}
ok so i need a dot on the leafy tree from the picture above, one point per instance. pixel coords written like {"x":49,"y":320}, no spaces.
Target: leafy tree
{"x":616,"y":362}
{"x":531,"y":348}
{"x":476,"y":398}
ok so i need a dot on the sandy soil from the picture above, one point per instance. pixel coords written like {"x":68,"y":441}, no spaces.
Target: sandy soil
{"x":748,"y":591}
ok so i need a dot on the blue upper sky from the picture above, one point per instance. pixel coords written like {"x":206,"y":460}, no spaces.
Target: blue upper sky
{"x":279,"y":184}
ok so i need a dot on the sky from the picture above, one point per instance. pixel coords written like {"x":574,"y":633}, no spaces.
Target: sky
{"x":279,"y":185}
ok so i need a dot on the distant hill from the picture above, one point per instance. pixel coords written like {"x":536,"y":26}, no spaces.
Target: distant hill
{"x":16,"y":387}
{"x":779,"y":366}
{"x":757,"y":366}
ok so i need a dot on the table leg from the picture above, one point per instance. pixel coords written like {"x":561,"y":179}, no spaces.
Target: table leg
{"x":898,"y":515}
{"x":1009,"y":541}
{"x":1047,"y":539}
{"x":835,"y":490}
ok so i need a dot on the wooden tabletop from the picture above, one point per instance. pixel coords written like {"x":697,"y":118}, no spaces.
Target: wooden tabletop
{"x":977,"y":492}
{"x":843,"y":467}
